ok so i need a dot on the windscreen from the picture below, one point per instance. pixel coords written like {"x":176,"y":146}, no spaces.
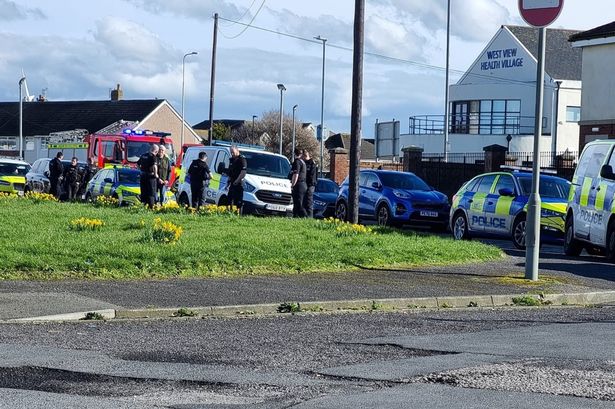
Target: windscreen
{"x":262,"y":164}
{"x":14,"y":169}
{"x":553,"y":188}
{"x":403,"y":181}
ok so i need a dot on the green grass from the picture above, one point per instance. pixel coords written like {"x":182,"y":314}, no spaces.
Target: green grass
{"x":36,"y":243}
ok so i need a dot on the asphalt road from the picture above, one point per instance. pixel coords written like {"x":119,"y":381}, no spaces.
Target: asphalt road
{"x":478,"y":358}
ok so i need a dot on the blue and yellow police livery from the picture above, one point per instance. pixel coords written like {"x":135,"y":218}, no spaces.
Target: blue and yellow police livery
{"x":13,"y":176}
{"x":118,"y":182}
{"x":495,"y":205}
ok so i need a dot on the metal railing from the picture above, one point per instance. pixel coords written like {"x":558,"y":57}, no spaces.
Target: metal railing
{"x":563,"y":159}
{"x":473,"y":124}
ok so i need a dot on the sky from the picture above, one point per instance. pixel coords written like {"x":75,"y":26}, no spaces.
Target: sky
{"x":80,"y":50}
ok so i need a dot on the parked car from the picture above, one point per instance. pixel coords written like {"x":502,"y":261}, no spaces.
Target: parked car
{"x":495,"y":205}
{"x":13,"y":176}
{"x":325,"y":196}
{"x":37,"y":178}
{"x":396,"y":198}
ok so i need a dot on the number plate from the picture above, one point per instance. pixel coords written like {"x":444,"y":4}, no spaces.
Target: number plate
{"x":428,"y":213}
{"x":276,"y":208}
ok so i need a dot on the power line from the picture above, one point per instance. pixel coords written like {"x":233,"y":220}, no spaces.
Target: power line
{"x":386,"y":57}
{"x":246,"y":25}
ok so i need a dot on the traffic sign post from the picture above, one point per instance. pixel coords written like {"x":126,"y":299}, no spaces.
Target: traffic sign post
{"x":537,"y":13}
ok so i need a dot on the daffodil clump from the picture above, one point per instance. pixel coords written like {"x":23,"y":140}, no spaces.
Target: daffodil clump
{"x":212,"y":209}
{"x":83,"y":223}
{"x":164,"y":232}
{"x":169,"y":207}
{"x":343,"y":228}
{"x":106,"y":201}
{"x":9,"y":196}
{"x":40,"y":197}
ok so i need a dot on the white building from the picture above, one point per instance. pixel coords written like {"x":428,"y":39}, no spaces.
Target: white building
{"x":496,"y":96}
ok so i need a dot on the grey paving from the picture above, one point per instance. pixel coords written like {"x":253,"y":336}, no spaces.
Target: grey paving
{"x":33,"y":304}
{"x":24,"y":399}
{"x":445,"y":397}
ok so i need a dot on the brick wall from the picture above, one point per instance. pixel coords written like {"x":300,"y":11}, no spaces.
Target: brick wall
{"x":587,"y":133}
{"x":339,"y":164}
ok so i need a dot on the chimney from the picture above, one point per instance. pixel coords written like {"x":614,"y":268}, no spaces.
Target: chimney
{"x":117,"y":94}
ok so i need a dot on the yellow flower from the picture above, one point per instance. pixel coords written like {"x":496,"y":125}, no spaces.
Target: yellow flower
{"x":83,"y":223}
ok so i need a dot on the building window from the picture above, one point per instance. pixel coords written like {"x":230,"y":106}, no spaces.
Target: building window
{"x":8,"y":143}
{"x":487,"y":117}
{"x":573,"y":114}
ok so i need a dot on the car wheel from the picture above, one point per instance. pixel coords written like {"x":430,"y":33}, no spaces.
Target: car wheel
{"x":460,"y":227}
{"x":572,"y":246}
{"x":383,"y":215}
{"x":341,"y":211}
{"x":519,"y":232}
{"x":610,"y":242}
{"x":88,"y":197}
{"x":183,"y":200}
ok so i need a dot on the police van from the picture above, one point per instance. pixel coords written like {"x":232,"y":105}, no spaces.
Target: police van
{"x":267,"y":189}
{"x":590,"y":215}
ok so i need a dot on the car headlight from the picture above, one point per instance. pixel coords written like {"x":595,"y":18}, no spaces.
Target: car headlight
{"x":401,"y":195}
{"x":319,"y":203}
{"x":4,"y":183}
{"x":550,"y":213}
{"x":248,"y":187}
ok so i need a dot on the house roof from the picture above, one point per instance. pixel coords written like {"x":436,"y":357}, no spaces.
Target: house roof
{"x":342,"y":140}
{"x":604,"y":31}
{"x":43,"y":118}
{"x":562,"y":61}
{"x":229,"y":123}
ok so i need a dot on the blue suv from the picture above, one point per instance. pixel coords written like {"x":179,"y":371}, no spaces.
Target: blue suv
{"x":395,"y":198}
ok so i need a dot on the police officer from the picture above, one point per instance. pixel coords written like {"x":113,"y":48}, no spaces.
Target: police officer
{"x":299,"y":187}
{"x":311,"y":178}
{"x":149,"y":176}
{"x":88,"y":172}
{"x":56,"y":170}
{"x":164,"y":173}
{"x":72,"y":179}
{"x":236,"y":172}
{"x":199,"y":178}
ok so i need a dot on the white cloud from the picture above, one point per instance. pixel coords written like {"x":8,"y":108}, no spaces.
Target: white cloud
{"x":9,"y":11}
{"x":198,"y":9}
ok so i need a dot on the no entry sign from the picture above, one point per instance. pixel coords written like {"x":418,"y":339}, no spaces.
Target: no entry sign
{"x":540,"y":13}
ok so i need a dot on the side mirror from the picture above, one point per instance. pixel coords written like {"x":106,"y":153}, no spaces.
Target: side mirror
{"x":506,"y":192}
{"x":221,"y":168}
{"x":376,"y":185}
{"x":607,"y":172}
{"x":46,"y":173}
{"x":108,"y":180}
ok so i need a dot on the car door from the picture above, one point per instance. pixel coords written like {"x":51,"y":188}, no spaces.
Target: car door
{"x":363,"y":209}
{"x":476,"y":210}
{"x":601,"y":189}
{"x":497,"y":206}
{"x":371,"y":194}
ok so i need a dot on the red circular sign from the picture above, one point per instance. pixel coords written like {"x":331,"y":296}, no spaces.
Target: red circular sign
{"x":540,"y":13}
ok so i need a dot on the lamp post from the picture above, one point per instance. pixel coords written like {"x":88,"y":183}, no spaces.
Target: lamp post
{"x":282,"y":88}
{"x":292,"y":152}
{"x":322,"y":102}
{"x":21,"y":150}
{"x":183,"y":83}
{"x":253,"y":138}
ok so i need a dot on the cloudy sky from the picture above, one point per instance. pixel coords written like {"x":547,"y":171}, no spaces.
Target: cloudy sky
{"x":79,"y":50}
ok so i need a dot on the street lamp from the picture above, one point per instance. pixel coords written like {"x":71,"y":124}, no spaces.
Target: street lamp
{"x":322,"y":102}
{"x":282,"y":88}
{"x":21,"y":150}
{"x":183,"y":82}
{"x":253,"y":138}
{"x":292,"y":152}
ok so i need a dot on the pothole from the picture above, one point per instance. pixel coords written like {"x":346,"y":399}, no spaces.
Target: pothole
{"x":533,"y":376}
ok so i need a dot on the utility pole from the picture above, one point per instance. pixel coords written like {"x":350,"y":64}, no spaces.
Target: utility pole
{"x":213,"y":81}
{"x":21,"y":149}
{"x":355,"y":116}
{"x":446,"y":104}
{"x":322,"y":103}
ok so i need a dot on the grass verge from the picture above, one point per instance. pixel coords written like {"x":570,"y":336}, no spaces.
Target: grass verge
{"x":36,"y":242}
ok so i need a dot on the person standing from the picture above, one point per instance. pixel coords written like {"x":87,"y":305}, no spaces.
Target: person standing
{"x":311,"y":178}
{"x":236,"y":172}
{"x":56,"y":170}
{"x":199,"y":179}
{"x":72,"y":179}
{"x":88,"y":172}
{"x":149,"y":176}
{"x":164,"y":173}
{"x":299,"y":187}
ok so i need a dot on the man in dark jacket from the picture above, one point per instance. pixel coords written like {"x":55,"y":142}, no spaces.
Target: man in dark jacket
{"x":199,"y":177}
{"x":164,"y":173}
{"x":149,"y":176}
{"x":236,"y":172}
{"x":297,"y":181}
{"x":56,"y":170}
{"x":72,"y":180}
{"x":311,"y":178}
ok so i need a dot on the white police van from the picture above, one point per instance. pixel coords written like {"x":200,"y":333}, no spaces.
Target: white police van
{"x":590,"y":214}
{"x":267,"y":190}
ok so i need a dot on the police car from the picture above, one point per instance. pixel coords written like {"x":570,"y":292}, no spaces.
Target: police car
{"x":590,"y":218}
{"x":13,"y":176}
{"x":122,"y":183}
{"x":495,"y":205}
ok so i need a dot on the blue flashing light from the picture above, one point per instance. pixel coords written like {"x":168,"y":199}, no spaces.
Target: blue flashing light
{"x":127,"y":131}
